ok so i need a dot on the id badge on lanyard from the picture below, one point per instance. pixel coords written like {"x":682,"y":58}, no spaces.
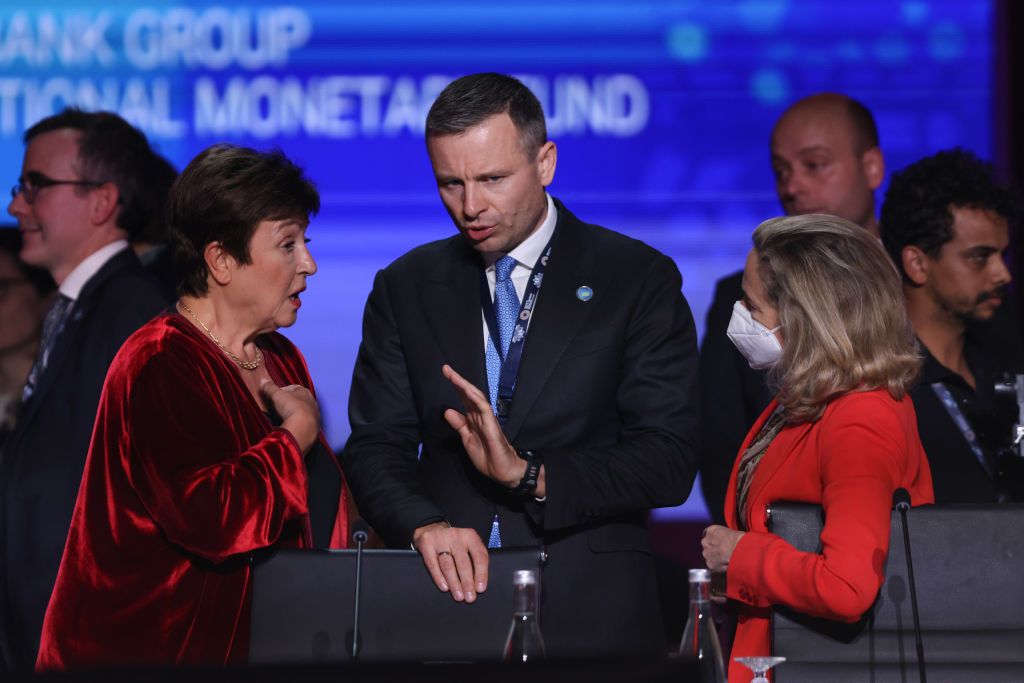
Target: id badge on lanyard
{"x":510,"y":363}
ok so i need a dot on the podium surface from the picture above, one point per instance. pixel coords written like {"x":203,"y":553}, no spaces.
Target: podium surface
{"x":303,"y":604}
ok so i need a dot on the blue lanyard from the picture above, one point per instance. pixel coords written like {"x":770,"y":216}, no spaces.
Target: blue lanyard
{"x":946,"y":397}
{"x":510,"y":363}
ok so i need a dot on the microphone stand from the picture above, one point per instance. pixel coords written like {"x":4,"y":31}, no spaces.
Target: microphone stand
{"x":359,"y":535}
{"x":901,"y":499}
{"x":1018,"y":429}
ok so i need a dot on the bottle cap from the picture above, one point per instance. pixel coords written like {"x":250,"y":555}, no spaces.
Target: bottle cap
{"x":524,"y":577}
{"x":700,"y":575}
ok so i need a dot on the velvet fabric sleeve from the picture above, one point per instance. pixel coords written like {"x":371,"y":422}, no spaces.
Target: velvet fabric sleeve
{"x":289,"y":367}
{"x":185,"y":477}
{"x":863,"y":457}
{"x":186,"y":467}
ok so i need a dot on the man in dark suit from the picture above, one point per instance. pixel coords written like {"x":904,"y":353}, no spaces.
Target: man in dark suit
{"x":558,"y":422}
{"x":825,"y":159}
{"x":83,"y":190}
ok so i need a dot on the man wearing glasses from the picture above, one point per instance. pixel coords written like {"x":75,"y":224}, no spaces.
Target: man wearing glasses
{"x":85,"y":188}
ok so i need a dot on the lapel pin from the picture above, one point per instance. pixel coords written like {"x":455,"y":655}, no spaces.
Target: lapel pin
{"x":584,"y":293}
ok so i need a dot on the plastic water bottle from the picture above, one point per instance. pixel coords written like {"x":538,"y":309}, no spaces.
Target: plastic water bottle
{"x":700,"y":639}
{"x":525,"y":643}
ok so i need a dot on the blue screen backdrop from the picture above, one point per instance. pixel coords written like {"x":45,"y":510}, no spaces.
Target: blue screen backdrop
{"x":661,"y":110}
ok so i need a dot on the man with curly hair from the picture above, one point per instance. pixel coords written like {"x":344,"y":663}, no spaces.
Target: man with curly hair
{"x":946,"y":222}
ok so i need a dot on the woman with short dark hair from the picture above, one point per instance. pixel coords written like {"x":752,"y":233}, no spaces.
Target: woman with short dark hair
{"x":207,"y":437}
{"x":823,"y":309}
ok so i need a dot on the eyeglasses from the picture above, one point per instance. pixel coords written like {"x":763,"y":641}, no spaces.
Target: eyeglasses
{"x":29,"y":186}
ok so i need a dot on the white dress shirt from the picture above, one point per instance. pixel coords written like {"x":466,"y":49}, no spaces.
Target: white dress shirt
{"x":526,"y":255}
{"x":72,"y":285}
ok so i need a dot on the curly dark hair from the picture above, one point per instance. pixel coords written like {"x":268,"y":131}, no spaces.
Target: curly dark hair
{"x":918,"y":204}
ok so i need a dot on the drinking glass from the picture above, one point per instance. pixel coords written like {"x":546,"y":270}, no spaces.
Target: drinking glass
{"x":760,"y":666}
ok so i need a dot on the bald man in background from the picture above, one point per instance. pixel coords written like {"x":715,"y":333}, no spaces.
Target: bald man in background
{"x":826,"y":159}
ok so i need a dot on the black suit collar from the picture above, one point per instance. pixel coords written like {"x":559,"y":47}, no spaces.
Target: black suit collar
{"x":559,"y":313}
{"x":124,"y":260}
{"x":452,"y":301}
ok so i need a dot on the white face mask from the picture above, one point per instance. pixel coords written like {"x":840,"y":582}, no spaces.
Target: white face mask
{"x":757,"y":343}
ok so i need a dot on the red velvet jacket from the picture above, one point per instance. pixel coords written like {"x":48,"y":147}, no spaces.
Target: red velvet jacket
{"x":850,"y":461}
{"x":185,"y":477}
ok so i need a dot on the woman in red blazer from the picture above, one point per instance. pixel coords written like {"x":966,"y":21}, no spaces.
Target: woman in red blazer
{"x":823,"y":309}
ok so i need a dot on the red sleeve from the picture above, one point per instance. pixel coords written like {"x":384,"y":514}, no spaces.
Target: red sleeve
{"x":862,"y":455}
{"x":208,"y":490}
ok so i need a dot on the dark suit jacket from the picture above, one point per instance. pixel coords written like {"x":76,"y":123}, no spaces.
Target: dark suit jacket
{"x":606,"y":393}
{"x":732,"y":397}
{"x":42,"y":460}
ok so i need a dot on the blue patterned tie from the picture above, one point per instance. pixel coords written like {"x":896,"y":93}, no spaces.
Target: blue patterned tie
{"x":52,"y":325}
{"x":506,"y":310}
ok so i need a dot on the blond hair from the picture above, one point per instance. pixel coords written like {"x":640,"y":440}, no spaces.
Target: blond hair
{"x":841,"y":307}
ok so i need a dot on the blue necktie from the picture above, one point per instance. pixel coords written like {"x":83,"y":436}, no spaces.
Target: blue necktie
{"x":52,"y":325}
{"x":506,"y":310}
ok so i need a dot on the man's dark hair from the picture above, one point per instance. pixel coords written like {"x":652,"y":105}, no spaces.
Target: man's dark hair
{"x":863,"y":125}
{"x":111,"y":150}
{"x":223,"y":195}
{"x":159,"y":175}
{"x":918,"y":207}
{"x":471,"y":100}
{"x":10,"y":241}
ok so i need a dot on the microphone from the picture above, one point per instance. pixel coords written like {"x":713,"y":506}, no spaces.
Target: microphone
{"x":901,"y":501}
{"x":360,"y":533}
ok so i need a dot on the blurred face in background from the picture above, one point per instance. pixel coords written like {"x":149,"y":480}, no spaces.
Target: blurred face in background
{"x":21,"y":308}
{"x":819,"y":167}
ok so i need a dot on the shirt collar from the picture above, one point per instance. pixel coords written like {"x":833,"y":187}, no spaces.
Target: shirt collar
{"x":527,"y":253}
{"x":72,"y":285}
{"x":933,"y":371}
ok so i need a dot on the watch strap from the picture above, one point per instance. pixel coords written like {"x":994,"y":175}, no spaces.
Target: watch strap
{"x":528,"y":484}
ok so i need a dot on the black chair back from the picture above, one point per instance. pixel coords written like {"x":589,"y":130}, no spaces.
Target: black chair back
{"x":969,"y":570}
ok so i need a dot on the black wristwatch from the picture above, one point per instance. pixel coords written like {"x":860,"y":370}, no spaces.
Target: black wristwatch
{"x":527,"y":486}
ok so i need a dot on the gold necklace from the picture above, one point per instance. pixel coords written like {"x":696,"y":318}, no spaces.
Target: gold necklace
{"x":244,"y":364}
